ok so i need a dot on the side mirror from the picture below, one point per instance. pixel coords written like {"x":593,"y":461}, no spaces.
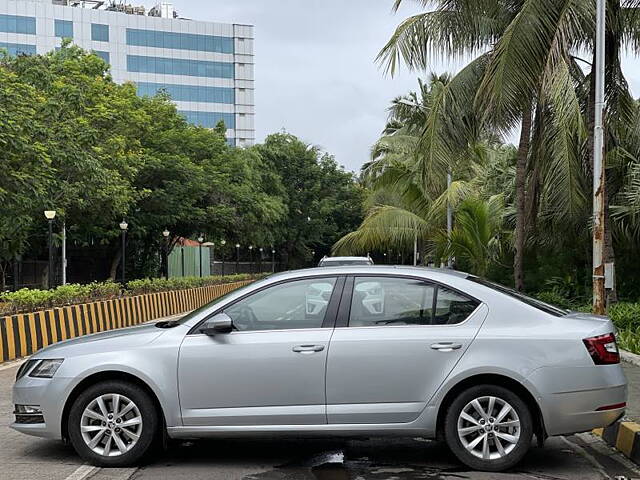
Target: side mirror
{"x":221,"y":323}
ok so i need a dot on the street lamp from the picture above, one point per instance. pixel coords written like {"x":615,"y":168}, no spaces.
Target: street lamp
{"x":222,"y":244}
{"x":165,"y":254}
{"x":123,"y":227}
{"x":50,"y":215}
{"x":200,"y":241}
{"x":250,"y":258}
{"x":260,"y":260}
{"x":273,"y":261}
{"x":237,"y":258}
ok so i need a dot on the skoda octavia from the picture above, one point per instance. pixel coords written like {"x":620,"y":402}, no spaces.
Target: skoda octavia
{"x":346,"y":351}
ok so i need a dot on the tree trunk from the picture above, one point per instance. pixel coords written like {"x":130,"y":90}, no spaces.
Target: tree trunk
{"x":115,"y":263}
{"x":521,"y":174}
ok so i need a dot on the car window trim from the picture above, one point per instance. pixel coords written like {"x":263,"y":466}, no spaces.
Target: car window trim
{"x":328,"y":322}
{"x":345,"y":305}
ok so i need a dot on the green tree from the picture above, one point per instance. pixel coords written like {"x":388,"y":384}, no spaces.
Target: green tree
{"x":322,"y":200}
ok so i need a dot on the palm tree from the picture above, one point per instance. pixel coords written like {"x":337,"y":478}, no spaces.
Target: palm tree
{"x":479,"y":234}
{"x":409,"y":195}
{"x":532,"y":79}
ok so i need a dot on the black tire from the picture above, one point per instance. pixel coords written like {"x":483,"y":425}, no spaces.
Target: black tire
{"x":148,"y":435}
{"x":465,"y":456}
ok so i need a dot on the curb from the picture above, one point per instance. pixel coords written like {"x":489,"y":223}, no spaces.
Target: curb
{"x":630,"y":357}
{"x":624,"y":437}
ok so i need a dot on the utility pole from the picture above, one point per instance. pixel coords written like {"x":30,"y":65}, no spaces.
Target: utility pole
{"x":599,"y":297}
{"x":449,"y":216}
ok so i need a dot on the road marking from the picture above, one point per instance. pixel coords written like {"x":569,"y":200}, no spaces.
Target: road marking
{"x":82,"y":472}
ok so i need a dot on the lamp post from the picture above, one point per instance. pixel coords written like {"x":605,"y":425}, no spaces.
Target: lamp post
{"x":50,"y":215}
{"x":165,"y":254}
{"x":123,"y":227}
{"x":273,"y":261}
{"x":222,"y":244}
{"x":237,"y":258}
{"x":200,"y":242}
{"x":260,"y":260}
{"x":250,"y":258}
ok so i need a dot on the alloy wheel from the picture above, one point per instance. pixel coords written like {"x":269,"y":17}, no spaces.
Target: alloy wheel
{"x":489,"y":428}
{"x":111,"y":425}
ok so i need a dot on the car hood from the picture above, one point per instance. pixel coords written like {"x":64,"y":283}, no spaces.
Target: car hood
{"x":111,"y":340}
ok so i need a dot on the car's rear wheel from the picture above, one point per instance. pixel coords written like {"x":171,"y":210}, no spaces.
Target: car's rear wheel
{"x":488,"y":428}
{"x":113,"y":424}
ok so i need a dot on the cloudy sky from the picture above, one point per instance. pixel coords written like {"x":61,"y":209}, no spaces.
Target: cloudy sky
{"x":315,"y":70}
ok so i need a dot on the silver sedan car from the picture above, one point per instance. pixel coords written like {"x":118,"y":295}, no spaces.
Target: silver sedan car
{"x":438,"y":354}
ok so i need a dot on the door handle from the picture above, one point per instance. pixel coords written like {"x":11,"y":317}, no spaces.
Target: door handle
{"x":446,"y":346}
{"x":308,"y":348}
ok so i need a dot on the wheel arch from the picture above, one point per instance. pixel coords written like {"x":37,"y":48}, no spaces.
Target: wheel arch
{"x":498,"y":380}
{"x":105,"y":376}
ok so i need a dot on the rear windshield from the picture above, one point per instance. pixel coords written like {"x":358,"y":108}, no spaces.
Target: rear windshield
{"x":545,"y":307}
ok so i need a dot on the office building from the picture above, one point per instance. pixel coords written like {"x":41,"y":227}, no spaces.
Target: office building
{"x":206,"y":67}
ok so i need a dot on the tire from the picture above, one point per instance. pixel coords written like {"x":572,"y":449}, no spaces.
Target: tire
{"x":127,"y":437}
{"x":479,"y":445}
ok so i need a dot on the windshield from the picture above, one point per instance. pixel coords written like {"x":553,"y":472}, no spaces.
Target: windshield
{"x":545,"y":307}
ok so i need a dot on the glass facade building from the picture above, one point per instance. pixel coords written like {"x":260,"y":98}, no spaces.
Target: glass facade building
{"x":206,"y":68}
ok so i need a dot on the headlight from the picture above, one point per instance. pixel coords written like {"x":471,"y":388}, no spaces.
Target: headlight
{"x":24,"y":368}
{"x":46,"y":368}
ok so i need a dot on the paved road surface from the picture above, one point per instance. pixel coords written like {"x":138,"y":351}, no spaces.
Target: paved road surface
{"x":580,"y":457}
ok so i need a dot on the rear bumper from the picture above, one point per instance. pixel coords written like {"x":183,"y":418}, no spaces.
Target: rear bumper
{"x":569,"y":397}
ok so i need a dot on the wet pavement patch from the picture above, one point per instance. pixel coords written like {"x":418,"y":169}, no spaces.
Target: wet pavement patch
{"x":342,"y":464}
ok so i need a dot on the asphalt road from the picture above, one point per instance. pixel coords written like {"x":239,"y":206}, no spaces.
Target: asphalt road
{"x":581,"y":457}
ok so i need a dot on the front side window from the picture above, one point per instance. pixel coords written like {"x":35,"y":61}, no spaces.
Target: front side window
{"x":291,"y":305}
{"x":380,"y":301}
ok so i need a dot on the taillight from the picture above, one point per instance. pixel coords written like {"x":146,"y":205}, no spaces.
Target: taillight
{"x":603,"y":349}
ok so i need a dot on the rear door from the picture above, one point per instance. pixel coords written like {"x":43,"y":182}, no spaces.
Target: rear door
{"x":396,"y":341}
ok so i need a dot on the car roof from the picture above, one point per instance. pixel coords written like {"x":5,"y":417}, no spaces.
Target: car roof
{"x":372,"y":269}
{"x":338,"y":259}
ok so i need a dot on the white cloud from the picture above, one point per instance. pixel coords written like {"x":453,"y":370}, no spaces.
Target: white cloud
{"x":315,"y":70}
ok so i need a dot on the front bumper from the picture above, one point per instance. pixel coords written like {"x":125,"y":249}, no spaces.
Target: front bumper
{"x":571,"y":396}
{"x":50,"y":394}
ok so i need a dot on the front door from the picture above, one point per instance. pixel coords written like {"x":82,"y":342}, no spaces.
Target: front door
{"x":403,"y":338}
{"x":271,"y":369}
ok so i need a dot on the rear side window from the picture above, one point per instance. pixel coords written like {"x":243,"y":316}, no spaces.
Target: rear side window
{"x":380,"y":301}
{"x":545,"y":307}
{"x":452,"y":307}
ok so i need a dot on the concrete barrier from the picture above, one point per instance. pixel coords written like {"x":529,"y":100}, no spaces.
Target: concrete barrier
{"x":25,"y":333}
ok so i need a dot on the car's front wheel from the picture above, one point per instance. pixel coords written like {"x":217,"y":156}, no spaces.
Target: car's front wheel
{"x":488,"y":428}
{"x":113,"y":424}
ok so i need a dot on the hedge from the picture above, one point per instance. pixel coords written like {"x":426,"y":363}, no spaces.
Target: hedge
{"x":29,"y":300}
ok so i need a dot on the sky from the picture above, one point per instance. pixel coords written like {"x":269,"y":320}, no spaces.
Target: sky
{"x":315,"y":69}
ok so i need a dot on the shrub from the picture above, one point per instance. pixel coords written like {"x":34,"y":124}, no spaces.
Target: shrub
{"x":554,"y":298}
{"x":625,"y":315}
{"x":629,"y":340}
{"x":151,"y":285}
{"x":28,"y":300}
